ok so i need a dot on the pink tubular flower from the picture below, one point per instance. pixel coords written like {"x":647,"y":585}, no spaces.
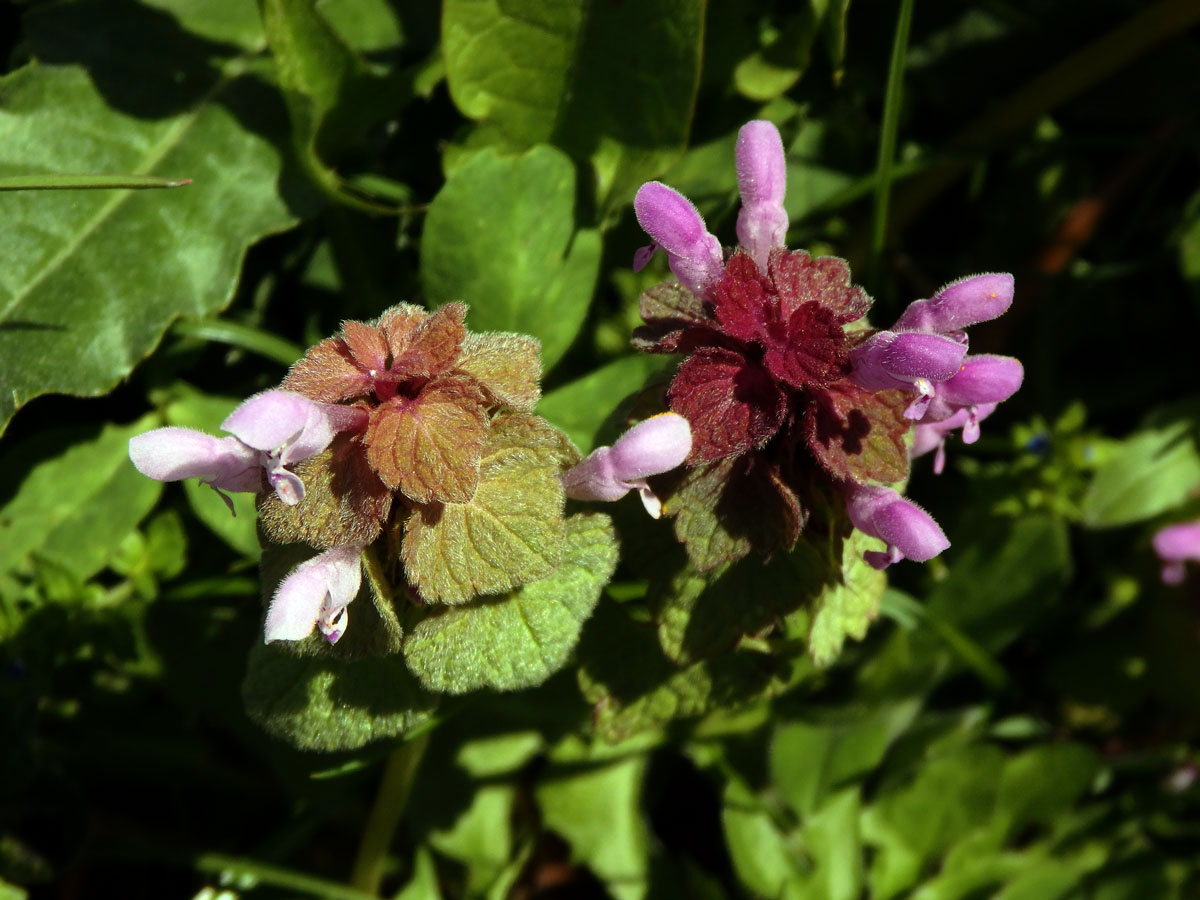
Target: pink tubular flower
{"x":908,"y":531}
{"x":316,"y":592}
{"x":678,"y":228}
{"x":1175,"y":545}
{"x":270,"y":431}
{"x":927,"y":345}
{"x":932,"y":435}
{"x":762,"y":180}
{"x":652,"y":447}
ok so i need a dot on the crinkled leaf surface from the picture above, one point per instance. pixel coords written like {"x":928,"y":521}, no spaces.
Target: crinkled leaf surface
{"x":74,"y":507}
{"x":509,"y":533}
{"x":95,"y":277}
{"x":429,"y":446}
{"x":500,"y":234}
{"x":859,"y":435}
{"x":845,"y":609}
{"x":704,"y":615}
{"x":521,"y":638}
{"x":323,"y":703}
{"x":507,"y":366}
{"x":634,"y":688}
{"x":613,"y":83}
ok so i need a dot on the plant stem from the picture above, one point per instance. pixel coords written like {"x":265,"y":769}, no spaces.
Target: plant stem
{"x":398,"y":774}
{"x":887,"y":138}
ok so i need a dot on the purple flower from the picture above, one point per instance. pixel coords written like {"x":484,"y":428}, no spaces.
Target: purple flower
{"x":908,"y":531}
{"x":762,"y":180}
{"x":678,"y":228}
{"x":270,"y":431}
{"x":651,"y":447}
{"x":316,"y":592}
{"x":1175,"y":545}
{"x":927,"y":345}
{"x":932,"y":435}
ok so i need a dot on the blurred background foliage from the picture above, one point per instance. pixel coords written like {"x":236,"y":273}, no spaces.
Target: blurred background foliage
{"x":1021,"y":721}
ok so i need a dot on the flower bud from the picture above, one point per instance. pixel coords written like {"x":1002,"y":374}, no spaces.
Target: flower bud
{"x":677,"y":226}
{"x":908,"y":531}
{"x":762,"y":180}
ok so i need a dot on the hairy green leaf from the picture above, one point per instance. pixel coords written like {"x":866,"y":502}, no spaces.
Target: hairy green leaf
{"x":92,"y":279}
{"x":634,"y":688}
{"x":509,"y":533}
{"x":518,"y":639}
{"x":845,"y":608}
{"x":500,"y":234}
{"x":324,"y":703}
{"x":507,"y":366}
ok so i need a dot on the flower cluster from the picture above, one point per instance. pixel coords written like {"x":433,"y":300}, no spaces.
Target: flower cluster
{"x":787,"y":394}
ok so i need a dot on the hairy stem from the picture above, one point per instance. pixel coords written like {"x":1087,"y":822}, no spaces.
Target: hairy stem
{"x":390,"y":800}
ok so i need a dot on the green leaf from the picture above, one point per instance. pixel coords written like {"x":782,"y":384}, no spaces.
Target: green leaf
{"x":76,"y":505}
{"x":1041,"y":783}
{"x":812,"y":759}
{"x":597,"y":810}
{"x":500,"y":234}
{"x":519,"y":639}
{"x":188,"y":408}
{"x":910,"y":825}
{"x":225,"y":21}
{"x":847,"y":608}
{"x":1152,"y":472}
{"x":509,"y":533}
{"x":319,"y":75}
{"x":323,"y":703}
{"x":423,"y":885}
{"x":613,"y":84}
{"x":634,"y":688}
{"x":94,"y":278}
{"x":704,"y":615}
{"x":761,"y":853}
{"x":784,"y":55}
{"x":481,"y":836}
{"x":583,"y":407}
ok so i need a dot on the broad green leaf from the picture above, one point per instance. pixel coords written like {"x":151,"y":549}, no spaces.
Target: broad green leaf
{"x":583,"y":407}
{"x":509,"y":533}
{"x":323,"y":703}
{"x":634,"y":688}
{"x":951,"y":794}
{"x":369,"y":26}
{"x":846,"y":609}
{"x":423,"y":885}
{"x":76,"y":505}
{"x":704,"y":615}
{"x":481,"y":836}
{"x":597,"y":811}
{"x":762,"y":855}
{"x":95,"y":277}
{"x":784,"y":53}
{"x":189,"y":408}
{"x":519,"y":639}
{"x":1154,"y":471}
{"x":831,"y":837}
{"x":327,"y":88}
{"x":809,"y":760}
{"x":500,"y":234}
{"x":1040,"y":783}
{"x":613,"y":84}
{"x":225,"y":21}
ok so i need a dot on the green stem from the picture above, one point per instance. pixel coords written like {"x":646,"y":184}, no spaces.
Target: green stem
{"x":394,"y":788}
{"x":887,"y":137}
{"x":245,"y":337}
{"x":276,"y":876}
{"x":87,"y":182}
